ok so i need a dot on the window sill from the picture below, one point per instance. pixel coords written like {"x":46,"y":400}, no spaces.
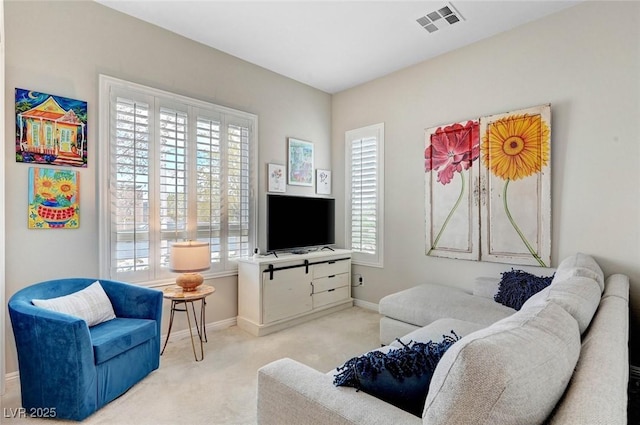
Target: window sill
{"x":160,"y":283}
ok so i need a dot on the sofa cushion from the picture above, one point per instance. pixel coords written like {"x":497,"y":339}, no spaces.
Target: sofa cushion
{"x":400,"y":376}
{"x":90,"y":304}
{"x":514,"y":371}
{"x":582,"y":265}
{"x":486,"y":287}
{"x":119,"y":335}
{"x":597,"y":393}
{"x":426,"y":303}
{"x":392,"y":329}
{"x":517,"y":286}
{"x":436,"y":330}
{"x":578,"y":296}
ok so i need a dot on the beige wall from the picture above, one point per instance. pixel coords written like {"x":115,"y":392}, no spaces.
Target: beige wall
{"x":585,"y":61}
{"x":61,"y":48}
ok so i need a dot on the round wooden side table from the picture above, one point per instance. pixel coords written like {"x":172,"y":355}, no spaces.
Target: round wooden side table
{"x":179,"y":302}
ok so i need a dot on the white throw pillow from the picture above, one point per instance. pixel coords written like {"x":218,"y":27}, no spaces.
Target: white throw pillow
{"x":90,"y":304}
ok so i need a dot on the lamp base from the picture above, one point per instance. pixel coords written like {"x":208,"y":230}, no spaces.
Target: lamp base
{"x":189,"y":281}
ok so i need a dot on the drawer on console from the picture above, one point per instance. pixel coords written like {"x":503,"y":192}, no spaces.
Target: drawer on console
{"x":330,"y":282}
{"x":331,"y":296}
{"x":330,"y":268}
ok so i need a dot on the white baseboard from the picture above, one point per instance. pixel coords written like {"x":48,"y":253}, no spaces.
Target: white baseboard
{"x":366,"y":304}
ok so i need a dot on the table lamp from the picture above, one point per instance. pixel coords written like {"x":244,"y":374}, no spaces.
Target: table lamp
{"x":189,"y":258}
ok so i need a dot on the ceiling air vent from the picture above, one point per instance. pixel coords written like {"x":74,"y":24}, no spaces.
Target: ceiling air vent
{"x":441,"y":18}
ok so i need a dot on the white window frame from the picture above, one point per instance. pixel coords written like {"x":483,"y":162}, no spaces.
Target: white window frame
{"x":159,"y":274}
{"x":373,"y":131}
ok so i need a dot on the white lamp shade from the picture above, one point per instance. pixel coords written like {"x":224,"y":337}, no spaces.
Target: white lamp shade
{"x":190,"y":257}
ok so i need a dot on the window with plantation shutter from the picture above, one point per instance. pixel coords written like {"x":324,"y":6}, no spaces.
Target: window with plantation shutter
{"x":365,"y":201}
{"x":177,"y":169}
{"x":129,"y":194}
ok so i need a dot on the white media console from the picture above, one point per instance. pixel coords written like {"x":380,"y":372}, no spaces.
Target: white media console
{"x":278,"y":292}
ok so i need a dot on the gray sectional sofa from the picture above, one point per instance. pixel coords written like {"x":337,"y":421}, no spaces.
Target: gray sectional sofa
{"x":561,"y":359}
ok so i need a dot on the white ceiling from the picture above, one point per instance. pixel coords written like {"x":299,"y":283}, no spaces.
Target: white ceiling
{"x":333,"y":45}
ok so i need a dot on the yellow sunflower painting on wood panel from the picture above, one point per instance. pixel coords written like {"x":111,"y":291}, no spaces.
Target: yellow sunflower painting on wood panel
{"x":515,"y":147}
{"x":518,"y":146}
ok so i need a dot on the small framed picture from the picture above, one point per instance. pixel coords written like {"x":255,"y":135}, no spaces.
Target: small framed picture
{"x":300,"y":171}
{"x":323,"y":182}
{"x":277,"y":181}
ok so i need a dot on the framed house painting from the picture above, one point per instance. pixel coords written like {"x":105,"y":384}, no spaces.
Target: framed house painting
{"x":488,"y":188}
{"x":300,"y":171}
{"x":50,"y":129}
{"x":277,"y":182}
{"x":53,"y":199}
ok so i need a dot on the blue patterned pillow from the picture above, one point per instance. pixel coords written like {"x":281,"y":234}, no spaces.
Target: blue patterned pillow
{"x":400,"y":377}
{"x":516,"y":286}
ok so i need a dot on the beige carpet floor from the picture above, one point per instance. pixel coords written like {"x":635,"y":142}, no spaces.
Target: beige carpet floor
{"x":221,"y":389}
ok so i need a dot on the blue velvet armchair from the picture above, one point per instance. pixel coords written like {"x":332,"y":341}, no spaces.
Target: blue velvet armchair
{"x":72,"y":369}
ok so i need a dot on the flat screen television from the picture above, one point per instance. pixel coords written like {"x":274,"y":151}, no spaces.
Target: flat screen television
{"x":298,"y":222}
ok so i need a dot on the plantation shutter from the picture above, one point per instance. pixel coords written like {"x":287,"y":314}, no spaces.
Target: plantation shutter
{"x":365,"y":194}
{"x":131,"y":126}
{"x":237,"y":189}
{"x":173,"y":181}
{"x":178,"y":169}
{"x":223,"y":186}
{"x":364,"y":204}
{"x":209,"y":170}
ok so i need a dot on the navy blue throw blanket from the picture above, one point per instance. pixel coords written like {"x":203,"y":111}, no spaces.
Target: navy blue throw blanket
{"x":400,"y":377}
{"x":517,"y":286}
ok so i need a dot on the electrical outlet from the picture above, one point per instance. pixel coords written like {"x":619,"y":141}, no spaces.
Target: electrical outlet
{"x":357,"y":280}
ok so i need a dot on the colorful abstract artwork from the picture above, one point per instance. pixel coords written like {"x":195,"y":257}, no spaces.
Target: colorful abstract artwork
{"x":488,"y":188}
{"x":300,"y":163}
{"x":53,"y":199}
{"x":50,"y":129}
